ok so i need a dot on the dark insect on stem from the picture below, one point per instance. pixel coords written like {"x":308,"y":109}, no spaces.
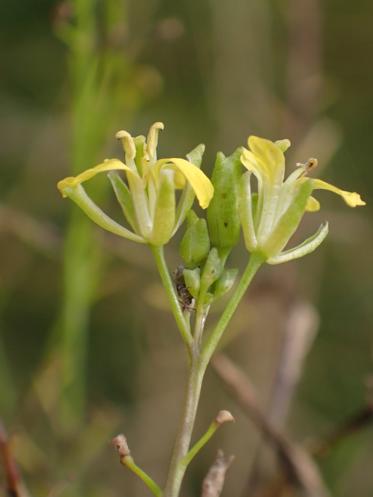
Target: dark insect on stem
{"x":185,"y":298}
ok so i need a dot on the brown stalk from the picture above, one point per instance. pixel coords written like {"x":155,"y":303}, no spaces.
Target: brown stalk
{"x":213,"y":483}
{"x":299,"y":469}
{"x":14,"y":484}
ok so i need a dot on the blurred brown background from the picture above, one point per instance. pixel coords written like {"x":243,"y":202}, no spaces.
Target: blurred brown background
{"x":87,"y":348}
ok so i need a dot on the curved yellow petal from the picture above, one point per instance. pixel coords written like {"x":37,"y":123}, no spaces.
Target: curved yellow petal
{"x":248,"y":159}
{"x":312,"y":205}
{"x":200,"y":183}
{"x":73,"y":181}
{"x":269,"y":156}
{"x":179,"y":180}
{"x":352,"y":199}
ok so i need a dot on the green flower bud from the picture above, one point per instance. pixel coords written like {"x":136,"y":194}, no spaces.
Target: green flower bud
{"x":225,"y":282}
{"x":212,"y":270}
{"x":222,"y":213}
{"x":195,"y":244}
{"x":192,"y":281}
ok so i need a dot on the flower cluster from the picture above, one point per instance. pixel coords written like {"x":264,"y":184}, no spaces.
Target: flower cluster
{"x":147,"y":194}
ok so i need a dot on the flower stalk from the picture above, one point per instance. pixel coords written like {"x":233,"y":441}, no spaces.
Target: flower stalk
{"x":176,"y":309}
{"x":120,"y":443}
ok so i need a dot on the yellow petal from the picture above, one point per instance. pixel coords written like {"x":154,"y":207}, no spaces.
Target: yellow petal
{"x":352,"y":199}
{"x":200,"y":183}
{"x":179,"y":180}
{"x":269,"y":156}
{"x":248,"y":159}
{"x":312,"y":205}
{"x":73,"y":181}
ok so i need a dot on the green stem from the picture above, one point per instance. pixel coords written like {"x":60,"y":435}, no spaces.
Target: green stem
{"x":178,"y":465}
{"x":172,"y":297}
{"x":199,"y":323}
{"x":149,"y":482}
{"x":199,"y":363}
{"x":255,"y":261}
{"x":200,"y":444}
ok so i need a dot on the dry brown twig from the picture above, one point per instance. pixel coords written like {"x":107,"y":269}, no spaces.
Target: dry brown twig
{"x":300,"y":330}
{"x":213,"y":483}
{"x":14,"y":484}
{"x":298,"y":467}
{"x":300,"y":327}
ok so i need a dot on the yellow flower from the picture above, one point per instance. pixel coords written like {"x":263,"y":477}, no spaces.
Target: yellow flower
{"x":271,"y":216}
{"x":147,"y":197}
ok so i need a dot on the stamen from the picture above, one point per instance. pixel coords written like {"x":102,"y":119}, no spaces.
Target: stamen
{"x":152,"y":140}
{"x":127,"y":143}
{"x":309,"y":165}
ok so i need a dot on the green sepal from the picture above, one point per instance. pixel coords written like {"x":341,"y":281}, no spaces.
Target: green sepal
{"x":192,"y":279}
{"x":164,"y":216}
{"x":289,"y":221}
{"x":80,"y":197}
{"x":124,"y":198}
{"x":212,"y":270}
{"x":225,"y":282}
{"x":195,"y":244}
{"x":223,"y":212}
{"x":191,"y":218}
{"x":195,"y":156}
{"x":187,"y":197}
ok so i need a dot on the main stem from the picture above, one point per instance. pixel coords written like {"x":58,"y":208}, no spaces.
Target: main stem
{"x":199,"y":362}
{"x":193,"y":391}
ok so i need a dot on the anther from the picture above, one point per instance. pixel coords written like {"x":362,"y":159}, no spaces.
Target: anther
{"x":127,"y":143}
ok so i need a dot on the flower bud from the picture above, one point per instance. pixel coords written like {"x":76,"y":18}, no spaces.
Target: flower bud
{"x":212,"y":270}
{"x":195,"y":244}
{"x":222,"y":213}
{"x":225,"y":282}
{"x":192,"y":281}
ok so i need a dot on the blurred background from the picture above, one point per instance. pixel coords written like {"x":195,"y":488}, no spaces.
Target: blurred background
{"x":87,"y":347}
